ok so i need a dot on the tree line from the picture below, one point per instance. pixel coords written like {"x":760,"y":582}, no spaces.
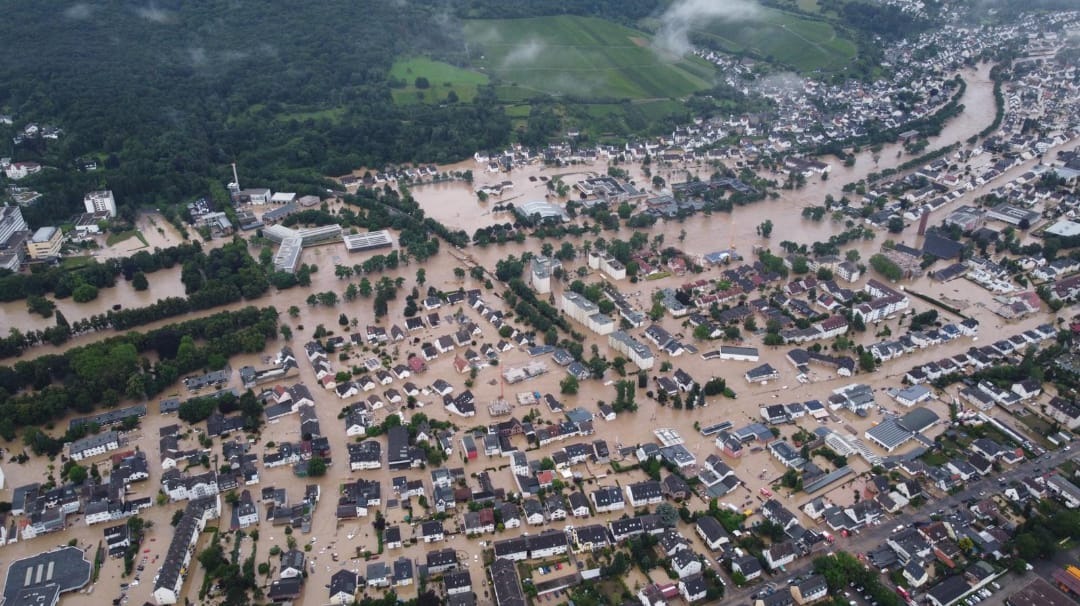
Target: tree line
{"x":42,"y":390}
{"x":222,"y":276}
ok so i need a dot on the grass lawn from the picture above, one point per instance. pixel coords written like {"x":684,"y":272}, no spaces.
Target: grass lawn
{"x":76,"y":262}
{"x":117,"y":238}
{"x":442,"y":78}
{"x":582,"y":57}
{"x":800,"y":43}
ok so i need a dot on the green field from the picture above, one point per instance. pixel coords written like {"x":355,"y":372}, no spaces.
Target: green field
{"x":442,"y":78}
{"x":788,"y":39}
{"x":582,"y":57}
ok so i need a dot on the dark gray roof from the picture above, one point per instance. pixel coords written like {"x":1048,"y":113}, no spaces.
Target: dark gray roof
{"x":49,"y":574}
{"x":919,"y":419}
{"x":506,"y":584}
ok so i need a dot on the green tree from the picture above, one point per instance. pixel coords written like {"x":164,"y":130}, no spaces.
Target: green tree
{"x":77,"y":474}
{"x":84,"y":293}
{"x":139,"y":281}
{"x":316,"y":467}
{"x":569,"y":385}
{"x":765,"y":229}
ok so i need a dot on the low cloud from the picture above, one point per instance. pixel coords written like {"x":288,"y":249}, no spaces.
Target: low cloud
{"x":79,"y":12}
{"x":673,"y":36}
{"x":526,"y":52}
{"x":153,"y":13}
{"x":782,"y":81}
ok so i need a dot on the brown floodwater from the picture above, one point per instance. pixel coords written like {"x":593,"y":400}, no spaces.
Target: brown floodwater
{"x":456,"y":205}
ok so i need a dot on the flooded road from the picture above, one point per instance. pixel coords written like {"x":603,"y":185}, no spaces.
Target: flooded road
{"x":456,"y":205}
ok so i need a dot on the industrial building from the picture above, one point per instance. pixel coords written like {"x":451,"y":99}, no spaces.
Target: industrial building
{"x":287,"y":258}
{"x":371,"y":240}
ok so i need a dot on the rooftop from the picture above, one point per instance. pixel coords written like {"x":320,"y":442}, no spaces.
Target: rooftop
{"x":40,"y":579}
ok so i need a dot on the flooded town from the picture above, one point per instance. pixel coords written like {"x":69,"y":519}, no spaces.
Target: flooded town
{"x":732,"y":364}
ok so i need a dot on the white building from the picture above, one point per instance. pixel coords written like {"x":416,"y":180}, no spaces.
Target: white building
{"x":607,"y":264}
{"x":586,"y":312}
{"x":635,"y":351}
{"x":540,"y":270}
{"x":94,"y":445}
{"x":100,"y":201}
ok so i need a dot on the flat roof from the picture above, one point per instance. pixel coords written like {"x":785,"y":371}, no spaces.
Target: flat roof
{"x":367,"y":241}
{"x":43,"y":234}
{"x":288,"y":254}
{"x":1039,"y":593}
{"x":888,"y":434}
{"x":1064,"y":228}
{"x":46,"y":575}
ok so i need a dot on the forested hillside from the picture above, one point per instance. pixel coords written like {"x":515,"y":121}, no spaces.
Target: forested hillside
{"x":166,"y":94}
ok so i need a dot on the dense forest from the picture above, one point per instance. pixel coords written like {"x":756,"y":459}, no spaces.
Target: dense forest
{"x":166,"y":95}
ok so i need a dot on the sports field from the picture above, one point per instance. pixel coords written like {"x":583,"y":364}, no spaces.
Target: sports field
{"x":441,"y":77}
{"x":800,"y":43}
{"x":582,"y":57}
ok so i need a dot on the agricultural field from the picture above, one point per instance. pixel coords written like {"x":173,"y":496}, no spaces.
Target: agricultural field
{"x":582,"y":57}
{"x":442,"y":78}
{"x":785,"y":38}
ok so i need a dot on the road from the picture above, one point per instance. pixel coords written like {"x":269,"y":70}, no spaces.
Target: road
{"x":873,"y":536}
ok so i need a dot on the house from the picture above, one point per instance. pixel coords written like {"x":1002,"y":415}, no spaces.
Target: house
{"x":685,"y":563}
{"x":441,"y":561}
{"x":608,"y":498}
{"x":579,"y":505}
{"x":693,"y":588}
{"x":711,"y":532}
{"x":246,"y":512}
{"x":761,"y":374}
{"x":343,"y":585}
{"x":511,"y":515}
{"x":392,"y":537}
{"x":915,"y":574}
{"x":479,"y":522}
{"x":285,"y":590}
{"x":810,"y":589}
{"x":555,"y":507}
{"x":779,"y":554}
{"x":514,"y":549}
{"x":748,"y":566}
{"x":432,"y":531}
{"x":534,"y":511}
{"x":642,"y":494}
{"x":547,"y":544}
{"x":506,"y":584}
{"x":291,"y":563}
{"x":378,"y":575}
{"x":674,"y":487}
{"x":170,"y":577}
{"x":457,"y":582}
{"x":590,"y":538}
{"x":403,"y":572}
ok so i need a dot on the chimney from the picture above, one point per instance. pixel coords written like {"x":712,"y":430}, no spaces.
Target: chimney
{"x":922,"y":223}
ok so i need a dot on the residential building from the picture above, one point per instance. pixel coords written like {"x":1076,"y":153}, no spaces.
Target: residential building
{"x":100,"y":201}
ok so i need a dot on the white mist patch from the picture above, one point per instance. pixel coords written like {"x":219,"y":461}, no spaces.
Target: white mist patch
{"x":197,"y":56}
{"x":673,"y":36}
{"x":154,"y":14}
{"x":79,"y":11}
{"x":527,"y":52}
{"x":787,"y":82}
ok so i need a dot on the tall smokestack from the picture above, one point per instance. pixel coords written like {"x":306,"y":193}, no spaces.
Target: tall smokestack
{"x":922,"y":223}
{"x":235,"y":177}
